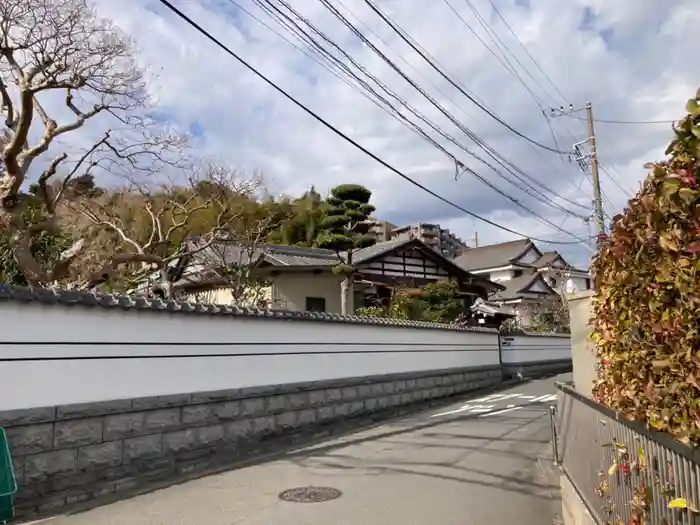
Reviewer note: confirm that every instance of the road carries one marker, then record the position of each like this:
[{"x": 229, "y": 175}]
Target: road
[{"x": 483, "y": 461}]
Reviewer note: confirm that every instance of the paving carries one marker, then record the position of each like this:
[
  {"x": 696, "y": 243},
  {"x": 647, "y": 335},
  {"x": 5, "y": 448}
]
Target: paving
[{"x": 482, "y": 461}]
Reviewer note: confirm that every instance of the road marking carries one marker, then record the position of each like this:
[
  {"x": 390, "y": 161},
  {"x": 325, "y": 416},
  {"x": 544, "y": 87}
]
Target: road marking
[
  {"x": 492, "y": 397},
  {"x": 475, "y": 406},
  {"x": 509, "y": 408}
]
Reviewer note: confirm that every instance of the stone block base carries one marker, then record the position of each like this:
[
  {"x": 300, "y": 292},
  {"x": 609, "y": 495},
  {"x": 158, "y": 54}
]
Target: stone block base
[
  {"x": 70, "y": 454},
  {"x": 536, "y": 369}
]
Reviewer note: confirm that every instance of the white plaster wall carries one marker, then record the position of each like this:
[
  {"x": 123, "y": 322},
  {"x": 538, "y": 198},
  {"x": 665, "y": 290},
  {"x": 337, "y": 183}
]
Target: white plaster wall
[
  {"x": 501, "y": 275},
  {"x": 290, "y": 290},
  {"x": 129, "y": 342},
  {"x": 529, "y": 348},
  {"x": 577, "y": 284}
]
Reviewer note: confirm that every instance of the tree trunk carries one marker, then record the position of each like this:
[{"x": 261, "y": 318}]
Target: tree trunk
[
  {"x": 345, "y": 286},
  {"x": 165, "y": 284}
]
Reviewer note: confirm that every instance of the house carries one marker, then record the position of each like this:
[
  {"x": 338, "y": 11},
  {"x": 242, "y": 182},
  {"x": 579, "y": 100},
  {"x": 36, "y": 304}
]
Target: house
[
  {"x": 300, "y": 278},
  {"x": 561, "y": 276},
  {"x": 529, "y": 275}
]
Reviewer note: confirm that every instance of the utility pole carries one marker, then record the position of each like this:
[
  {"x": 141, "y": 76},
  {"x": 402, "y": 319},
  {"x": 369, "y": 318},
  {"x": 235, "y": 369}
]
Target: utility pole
[
  {"x": 581, "y": 158},
  {"x": 476, "y": 239},
  {"x": 597, "y": 199}
]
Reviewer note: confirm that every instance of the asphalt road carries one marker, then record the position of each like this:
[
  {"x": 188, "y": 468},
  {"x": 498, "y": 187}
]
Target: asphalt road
[{"x": 483, "y": 461}]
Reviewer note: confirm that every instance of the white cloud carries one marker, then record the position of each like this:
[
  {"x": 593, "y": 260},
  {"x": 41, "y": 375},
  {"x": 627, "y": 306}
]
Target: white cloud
[{"x": 631, "y": 59}]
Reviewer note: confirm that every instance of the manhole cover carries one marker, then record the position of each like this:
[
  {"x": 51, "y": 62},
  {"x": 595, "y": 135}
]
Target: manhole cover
[{"x": 310, "y": 494}]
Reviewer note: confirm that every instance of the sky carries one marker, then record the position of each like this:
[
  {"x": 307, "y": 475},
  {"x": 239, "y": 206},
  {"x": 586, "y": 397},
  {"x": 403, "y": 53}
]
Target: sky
[{"x": 630, "y": 58}]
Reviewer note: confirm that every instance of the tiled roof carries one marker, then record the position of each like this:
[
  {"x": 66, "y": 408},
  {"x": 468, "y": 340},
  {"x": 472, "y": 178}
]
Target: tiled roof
[
  {"x": 517, "y": 288},
  {"x": 378, "y": 249},
  {"x": 281, "y": 255},
  {"x": 491, "y": 256},
  {"x": 59, "y": 297},
  {"x": 546, "y": 259}
]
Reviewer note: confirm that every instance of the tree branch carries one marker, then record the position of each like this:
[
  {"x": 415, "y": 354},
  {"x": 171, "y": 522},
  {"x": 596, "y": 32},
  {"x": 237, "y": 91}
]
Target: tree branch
[
  {"x": 109, "y": 267},
  {"x": 44, "y": 192},
  {"x": 8, "y": 105}
]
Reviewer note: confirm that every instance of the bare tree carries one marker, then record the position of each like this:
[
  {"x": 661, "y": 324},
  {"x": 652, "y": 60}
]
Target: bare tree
[
  {"x": 60, "y": 68},
  {"x": 227, "y": 259},
  {"x": 154, "y": 223},
  {"x": 229, "y": 262},
  {"x": 548, "y": 314}
]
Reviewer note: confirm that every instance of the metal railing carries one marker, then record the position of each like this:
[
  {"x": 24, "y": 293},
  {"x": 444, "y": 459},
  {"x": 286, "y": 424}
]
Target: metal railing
[{"x": 623, "y": 472}]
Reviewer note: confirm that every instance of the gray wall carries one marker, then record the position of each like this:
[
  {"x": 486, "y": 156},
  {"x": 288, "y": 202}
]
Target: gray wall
[
  {"x": 582, "y": 347},
  {"x": 68, "y": 454}
]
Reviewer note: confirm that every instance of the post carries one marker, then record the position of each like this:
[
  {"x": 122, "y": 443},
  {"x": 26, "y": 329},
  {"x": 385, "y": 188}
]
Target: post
[
  {"x": 597, "y": 200},
  {"x": 555, "y": 437}
]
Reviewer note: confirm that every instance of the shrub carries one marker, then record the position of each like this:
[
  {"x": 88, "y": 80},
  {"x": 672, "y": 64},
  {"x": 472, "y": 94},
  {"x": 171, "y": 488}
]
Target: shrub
[{"x": 646, "y": 313}]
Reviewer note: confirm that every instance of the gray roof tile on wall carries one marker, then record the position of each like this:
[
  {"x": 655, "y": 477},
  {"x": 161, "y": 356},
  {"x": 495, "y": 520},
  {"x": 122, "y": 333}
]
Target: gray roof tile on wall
[{"x": 61, "y": 297}]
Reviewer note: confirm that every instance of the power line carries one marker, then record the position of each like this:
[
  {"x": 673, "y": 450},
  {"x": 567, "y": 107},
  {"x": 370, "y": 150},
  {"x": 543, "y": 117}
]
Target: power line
[
  {"x": 398, "y": 115},
  {"x": 615, "y": 181},
  {"x": 512, "y": 32},
  {"x": 457, "y": 86},
  {"x": 459, "y": 107},
  {"x": 416, "y": 128},
  {"x": 489, "y": 150},
  {"x": 506, "y": 65},
  {"x": 632, "y": 122},
  {"x": 336, "y": 131}
]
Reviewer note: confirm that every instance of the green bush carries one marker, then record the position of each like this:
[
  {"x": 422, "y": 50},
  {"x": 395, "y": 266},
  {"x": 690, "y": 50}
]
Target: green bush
[{"x": 646, "y": 312}]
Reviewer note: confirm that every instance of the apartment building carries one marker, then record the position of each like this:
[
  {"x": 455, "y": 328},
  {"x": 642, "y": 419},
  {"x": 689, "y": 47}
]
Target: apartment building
[{"x": 439, "y": 239}]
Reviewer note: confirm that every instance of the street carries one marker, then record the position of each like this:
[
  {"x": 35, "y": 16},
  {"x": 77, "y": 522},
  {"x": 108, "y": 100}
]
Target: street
[{"x": 485, "y": 460}]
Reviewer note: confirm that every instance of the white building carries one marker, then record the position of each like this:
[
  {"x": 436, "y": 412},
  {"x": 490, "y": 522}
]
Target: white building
[{"x": 529, "y": 275}]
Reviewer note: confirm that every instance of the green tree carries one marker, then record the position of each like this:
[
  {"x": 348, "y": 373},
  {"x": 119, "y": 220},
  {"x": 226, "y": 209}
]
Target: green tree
[
  {"x": 345, "y": 229},
  {"x": 303, "y": 219},
  {"x": 44, "y": 246},
  {"x": 439, "y": 302},
  {"x": 647, "y": 302}
]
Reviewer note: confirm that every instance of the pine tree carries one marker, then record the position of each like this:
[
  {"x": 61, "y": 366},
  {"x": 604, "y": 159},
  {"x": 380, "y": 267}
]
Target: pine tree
[{"x": 345, "y": 229}]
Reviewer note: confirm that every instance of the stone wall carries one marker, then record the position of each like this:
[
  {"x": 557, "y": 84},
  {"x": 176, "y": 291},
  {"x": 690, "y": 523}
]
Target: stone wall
[
  {"x": 536, "y": 368},
  {"x": 68, "y": 454}
]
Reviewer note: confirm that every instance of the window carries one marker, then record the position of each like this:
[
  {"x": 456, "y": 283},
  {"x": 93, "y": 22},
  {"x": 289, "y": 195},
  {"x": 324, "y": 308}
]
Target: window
[
  {"x": 553, "y": 282},
  {"x": 517, "y": 273},
  {"x": 315, "y": 304}
]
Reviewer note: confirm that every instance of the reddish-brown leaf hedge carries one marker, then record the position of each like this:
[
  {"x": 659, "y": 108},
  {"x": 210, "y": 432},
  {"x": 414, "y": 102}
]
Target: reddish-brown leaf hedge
[{"x": 646, "y": 312}]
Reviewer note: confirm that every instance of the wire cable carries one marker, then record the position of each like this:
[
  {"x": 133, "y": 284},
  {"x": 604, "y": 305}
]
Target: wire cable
[
  {"x": 614, "y": 180},
  {"x": 512, "y": 32},
  {"x": 458, "y": 87},
  {"x": 275, "y": 12},
  {"x": 518, "y": 173},
  {"x": 342, "y": 135},
  {"x": 506, "y": 65},
  {"x": 631, "y": 122}
]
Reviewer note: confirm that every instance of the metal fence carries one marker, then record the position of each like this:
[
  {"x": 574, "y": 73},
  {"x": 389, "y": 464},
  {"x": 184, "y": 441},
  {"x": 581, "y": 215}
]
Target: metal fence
[{"x": 624, "y": 473}]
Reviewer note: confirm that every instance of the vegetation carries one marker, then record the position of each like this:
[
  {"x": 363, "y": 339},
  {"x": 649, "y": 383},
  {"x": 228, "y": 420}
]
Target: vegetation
[
  {"x": 549, "y": 315},
  {"x": 44, "y": 246},
  {"x": 345, "y": 229},
  {"x": 647, "y": 303},
  {"x": 59, "y": 50},
  {"x": 437, "y": 302}
]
